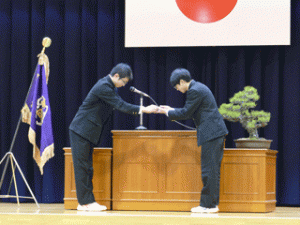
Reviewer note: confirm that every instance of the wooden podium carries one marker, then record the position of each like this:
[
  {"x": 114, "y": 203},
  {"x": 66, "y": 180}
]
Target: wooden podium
[
  {"x": 248, "y": 180},
  {"x": 161, "y": 170},
  {"x": 156, "y": 170}
]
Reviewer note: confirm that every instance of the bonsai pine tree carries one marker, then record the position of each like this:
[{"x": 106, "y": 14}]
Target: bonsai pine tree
[{"x": 240, "y": 110}]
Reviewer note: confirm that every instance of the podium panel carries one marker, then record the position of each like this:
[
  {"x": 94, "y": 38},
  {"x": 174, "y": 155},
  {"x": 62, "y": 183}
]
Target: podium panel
[
  {"x": 156, "y": 170},
  {"x": 101, "y": 180},
  {"x": 248, "y": 180}
]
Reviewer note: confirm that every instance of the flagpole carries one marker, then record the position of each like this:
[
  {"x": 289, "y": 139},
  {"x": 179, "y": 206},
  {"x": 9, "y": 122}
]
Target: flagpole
[{"x": 46, "y": 43}]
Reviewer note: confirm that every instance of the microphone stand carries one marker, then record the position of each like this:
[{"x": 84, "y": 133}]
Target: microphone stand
[{"x": 141, "y": 127}]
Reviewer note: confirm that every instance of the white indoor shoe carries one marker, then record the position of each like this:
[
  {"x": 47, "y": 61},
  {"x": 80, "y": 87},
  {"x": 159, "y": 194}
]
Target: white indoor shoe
[
  {"x": 91, "y": 207},
  {"x": 200, "y": 209}
]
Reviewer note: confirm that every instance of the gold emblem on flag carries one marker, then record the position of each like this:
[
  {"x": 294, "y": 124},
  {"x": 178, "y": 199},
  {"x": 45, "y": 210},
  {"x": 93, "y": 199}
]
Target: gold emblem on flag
[{"x": 41, "y": 110}]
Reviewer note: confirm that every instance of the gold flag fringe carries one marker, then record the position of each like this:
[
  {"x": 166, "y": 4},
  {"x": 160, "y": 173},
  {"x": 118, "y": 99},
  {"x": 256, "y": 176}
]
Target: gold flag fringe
[
  {"x": 47, "y": 154},
  {"x": 26, "y": 114},
  {"x": 44, "y": 60}
]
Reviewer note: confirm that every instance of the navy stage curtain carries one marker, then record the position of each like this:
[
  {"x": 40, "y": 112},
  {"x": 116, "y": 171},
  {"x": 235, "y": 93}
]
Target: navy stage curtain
[{"x": 88, "y": 40}]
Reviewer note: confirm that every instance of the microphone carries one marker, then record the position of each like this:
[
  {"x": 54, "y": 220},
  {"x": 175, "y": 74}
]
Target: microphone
[{"x": 133, "y": 89}]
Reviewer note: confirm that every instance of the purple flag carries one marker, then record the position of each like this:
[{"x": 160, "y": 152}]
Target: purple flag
[{"x": 37, "y": 114}]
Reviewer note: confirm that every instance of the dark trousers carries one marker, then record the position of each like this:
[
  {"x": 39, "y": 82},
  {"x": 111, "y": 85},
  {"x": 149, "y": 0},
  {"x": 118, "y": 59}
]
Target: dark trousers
[
  {"x": 82, "y": 154},
  {"x": 211, "y": 157}
]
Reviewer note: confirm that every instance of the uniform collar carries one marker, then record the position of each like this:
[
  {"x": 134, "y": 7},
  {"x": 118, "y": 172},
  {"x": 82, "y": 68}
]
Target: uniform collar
[
  {"x": 192, "y": 83},
  {"x": 110, "y": 80}
]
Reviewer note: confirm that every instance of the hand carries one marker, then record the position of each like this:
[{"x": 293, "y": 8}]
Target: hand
[
  {"x": 162, "y": 111},
  {"x": 166, "y": 107},
  {"x": 150, "y": 109}
]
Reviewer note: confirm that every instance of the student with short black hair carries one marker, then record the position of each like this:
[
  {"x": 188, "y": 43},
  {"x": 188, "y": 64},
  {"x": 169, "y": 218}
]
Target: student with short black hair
[
  {"x": 87, "y": 126},
  {"x": 201, "y": 106}
]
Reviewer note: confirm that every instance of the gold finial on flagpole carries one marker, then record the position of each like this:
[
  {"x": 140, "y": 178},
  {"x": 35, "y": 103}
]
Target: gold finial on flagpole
[
  {"x": 43, "y": 58},
  {"x": 46, "y": 43}
]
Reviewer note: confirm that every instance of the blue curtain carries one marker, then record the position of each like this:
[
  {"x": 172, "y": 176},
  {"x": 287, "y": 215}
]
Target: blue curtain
[{"x": 88, "y": 40}]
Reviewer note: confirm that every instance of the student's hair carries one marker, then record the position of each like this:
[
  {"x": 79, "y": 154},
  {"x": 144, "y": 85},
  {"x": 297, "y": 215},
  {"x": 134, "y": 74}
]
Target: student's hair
[
  {"x": 123, "y": 69},
  {"x": 179, "y": 74}
]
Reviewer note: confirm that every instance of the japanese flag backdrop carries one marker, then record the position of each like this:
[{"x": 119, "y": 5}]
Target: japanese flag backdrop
[{"x": 158, "y": 23}]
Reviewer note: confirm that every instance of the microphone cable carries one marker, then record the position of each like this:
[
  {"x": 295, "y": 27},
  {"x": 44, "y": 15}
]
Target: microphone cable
[{"x": 186, "y": 126}]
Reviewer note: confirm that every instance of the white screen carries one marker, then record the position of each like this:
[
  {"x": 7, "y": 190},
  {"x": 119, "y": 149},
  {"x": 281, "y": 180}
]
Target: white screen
[{"x": 159, "y": 23}]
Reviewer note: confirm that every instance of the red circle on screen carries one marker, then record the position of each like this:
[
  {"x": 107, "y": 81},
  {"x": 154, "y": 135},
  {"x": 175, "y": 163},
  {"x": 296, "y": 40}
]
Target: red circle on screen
[{"x": 206, "y": 11}]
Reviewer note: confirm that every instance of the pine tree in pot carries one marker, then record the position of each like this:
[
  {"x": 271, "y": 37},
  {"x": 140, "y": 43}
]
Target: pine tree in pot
[{"x": 240, "y": 109}]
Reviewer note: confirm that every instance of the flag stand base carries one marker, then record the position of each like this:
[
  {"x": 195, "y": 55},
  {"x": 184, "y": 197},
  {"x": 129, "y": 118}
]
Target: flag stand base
[{"x": 13, "y": 161}]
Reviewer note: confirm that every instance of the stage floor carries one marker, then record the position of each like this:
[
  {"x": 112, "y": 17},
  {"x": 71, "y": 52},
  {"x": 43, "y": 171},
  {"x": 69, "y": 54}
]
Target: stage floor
[{"x": 29, "y": 213}]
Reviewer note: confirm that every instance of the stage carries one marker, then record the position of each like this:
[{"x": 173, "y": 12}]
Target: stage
[{"x": 29, "y": 213}]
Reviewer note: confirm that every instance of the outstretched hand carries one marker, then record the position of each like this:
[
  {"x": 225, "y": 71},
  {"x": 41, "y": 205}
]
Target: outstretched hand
[
  {"x": 164, "y": 109},
  {"x": 150, "y": 109}
]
